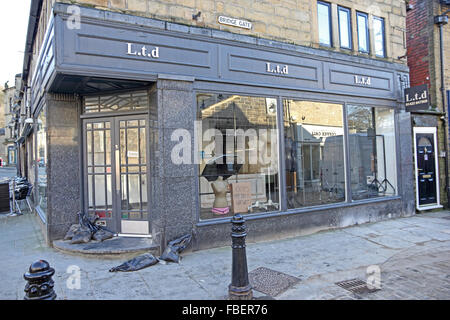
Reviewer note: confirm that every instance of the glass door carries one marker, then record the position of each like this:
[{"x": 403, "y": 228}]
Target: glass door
[
  {"x": 116, "y": 176},
  {"x": 131, "y": 174}
]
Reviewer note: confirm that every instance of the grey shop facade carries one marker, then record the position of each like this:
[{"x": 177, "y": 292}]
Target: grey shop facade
[{"x": 133, "y": 117}]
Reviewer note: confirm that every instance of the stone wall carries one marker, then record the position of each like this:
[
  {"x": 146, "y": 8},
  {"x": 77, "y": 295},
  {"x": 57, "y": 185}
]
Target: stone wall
[
  {"x": 63, "y": 166},
  {"x": 291, "y": 21}
]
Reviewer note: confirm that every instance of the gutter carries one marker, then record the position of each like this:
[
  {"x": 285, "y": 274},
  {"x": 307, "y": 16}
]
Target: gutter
[
  {"x": 33, "y": 23},
  {"x": 442, "y": 20}
]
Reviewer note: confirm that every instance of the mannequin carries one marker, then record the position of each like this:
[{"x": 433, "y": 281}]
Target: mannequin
[{"x": 220, "y": 188}]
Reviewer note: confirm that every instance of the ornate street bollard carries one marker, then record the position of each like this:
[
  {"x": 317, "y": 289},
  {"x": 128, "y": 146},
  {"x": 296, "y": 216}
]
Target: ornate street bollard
[
  {"x": 240, "y": 288},
  {"x": 40, "y": 283}
]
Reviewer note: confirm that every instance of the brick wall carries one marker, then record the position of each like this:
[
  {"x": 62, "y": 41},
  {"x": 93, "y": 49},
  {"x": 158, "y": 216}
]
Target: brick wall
[{"x": 419, "y": 35}]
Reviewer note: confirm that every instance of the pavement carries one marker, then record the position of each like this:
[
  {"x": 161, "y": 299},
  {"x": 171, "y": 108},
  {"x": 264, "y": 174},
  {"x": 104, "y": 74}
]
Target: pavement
[{"x": 405, "y": 258}]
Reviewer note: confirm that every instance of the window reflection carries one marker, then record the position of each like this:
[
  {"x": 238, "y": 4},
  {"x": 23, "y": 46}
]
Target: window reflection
[
  {"x": 378, "y": 29},
  {"x": 372, "y": 152},
  {"x": 314, "y": 152},
  {"x": 363, "y": 32},
  {"x": 41, "y": 159},
  {"x": 344, "y": 28},
  {"x": 238, "y": 142},
  {"x": 324, "y": 20}
]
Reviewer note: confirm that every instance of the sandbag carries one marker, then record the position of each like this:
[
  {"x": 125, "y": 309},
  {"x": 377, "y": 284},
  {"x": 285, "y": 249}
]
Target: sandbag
[
  {"x": 102, "y": 234},
  {"x": 140, "y": 262},
  {"x": 174, "y": 248},
  {"x": 83, "y": 235},
  {"x": 72, "y": 230}
]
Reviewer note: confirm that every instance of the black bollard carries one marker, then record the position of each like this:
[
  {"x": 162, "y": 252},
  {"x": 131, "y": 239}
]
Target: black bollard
[
  {"x": 40, "y": 283},
  {"x": 240, "y": 288}
]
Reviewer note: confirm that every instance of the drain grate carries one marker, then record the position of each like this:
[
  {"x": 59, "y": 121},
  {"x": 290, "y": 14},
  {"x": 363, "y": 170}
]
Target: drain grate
[
  {"x": 271, "y": 282},
  {"x": 356, "y": 286}
]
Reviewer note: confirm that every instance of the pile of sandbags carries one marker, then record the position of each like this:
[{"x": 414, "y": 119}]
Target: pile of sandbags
[{"x": 86, "y": 230}]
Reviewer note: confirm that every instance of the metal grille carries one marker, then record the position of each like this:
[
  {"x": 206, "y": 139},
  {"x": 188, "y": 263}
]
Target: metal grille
[
  {"x": 356, "y": 286},
  {"x": 271, "y": 282},
  {"x": 137, "y": 100}
]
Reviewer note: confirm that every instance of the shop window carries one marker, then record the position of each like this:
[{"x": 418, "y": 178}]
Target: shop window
[
  {"x": 133, "y": 101},
  {"x": 362, "y": 20},
  {"x": 324, "y": 21},
  {"x": 371, "y": 135},
  {"x": 41, "y": 162},
  {"x": 379, "y": 39},
  {"x": 345, "y": 29},
  {"x": 314, "y": 153},
  {"x": 237, "y": 142},
  {"x": 11, "y": 155}
]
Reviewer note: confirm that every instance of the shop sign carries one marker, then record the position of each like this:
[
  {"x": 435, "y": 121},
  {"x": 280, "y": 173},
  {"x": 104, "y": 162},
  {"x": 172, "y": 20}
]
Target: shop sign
[
  {"x": 132, "y": 154},
  {"x": 235, "y": 22},
  {"x": 276, "y": 68},
  {"x": 323, "y": 131},
  {"x": 365, "y": 81},
  {"x": 142, "y": 51},
  {"x": 416, "y": 98},
  {"x": 241, "y": 196}
]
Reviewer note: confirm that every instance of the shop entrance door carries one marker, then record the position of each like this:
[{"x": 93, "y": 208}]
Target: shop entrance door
[
  {"x": 426, "y": 168},
  {"x": 116, "y": 175}
]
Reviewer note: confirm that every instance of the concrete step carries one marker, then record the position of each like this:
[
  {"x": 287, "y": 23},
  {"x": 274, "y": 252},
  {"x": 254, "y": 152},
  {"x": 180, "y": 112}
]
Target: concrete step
[{"x": 114, "y": 246}]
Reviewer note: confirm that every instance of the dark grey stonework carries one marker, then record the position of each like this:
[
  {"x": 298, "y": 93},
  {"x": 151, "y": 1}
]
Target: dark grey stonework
[
  {"x": 289, "y": 225},
  {"x": 63, "y": 180},
  {"x": 174, "y": 186},
  {"x": 425, "y": 120}
]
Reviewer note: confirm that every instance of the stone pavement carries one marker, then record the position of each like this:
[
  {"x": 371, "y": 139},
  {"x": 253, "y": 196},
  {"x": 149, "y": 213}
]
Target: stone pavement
[{"x": 412, "y": 255}]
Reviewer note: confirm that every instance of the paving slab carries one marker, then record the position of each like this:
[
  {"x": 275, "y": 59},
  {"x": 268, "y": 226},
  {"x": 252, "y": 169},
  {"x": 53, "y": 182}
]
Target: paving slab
[{"x": 412, "y": 254}]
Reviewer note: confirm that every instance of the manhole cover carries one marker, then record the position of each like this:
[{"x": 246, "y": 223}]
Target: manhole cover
[
  {"x": 271, "y": 282},
  {"x": 356, "y": 286}
]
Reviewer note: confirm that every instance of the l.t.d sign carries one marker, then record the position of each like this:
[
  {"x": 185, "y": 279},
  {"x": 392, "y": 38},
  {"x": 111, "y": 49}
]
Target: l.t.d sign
[{"x": 416, "y": 98}]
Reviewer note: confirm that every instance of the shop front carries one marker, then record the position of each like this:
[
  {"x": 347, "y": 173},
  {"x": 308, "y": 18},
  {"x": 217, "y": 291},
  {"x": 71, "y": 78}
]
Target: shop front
[{"x": 149, "y": 123}]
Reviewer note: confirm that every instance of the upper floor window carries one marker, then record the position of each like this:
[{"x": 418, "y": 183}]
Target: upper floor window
[
  {"x": 345, "y": 33},
  {"x": 363, "y": 32},
  {"x": 378, "y": 30},
  {"x": 324, "y": 20}
]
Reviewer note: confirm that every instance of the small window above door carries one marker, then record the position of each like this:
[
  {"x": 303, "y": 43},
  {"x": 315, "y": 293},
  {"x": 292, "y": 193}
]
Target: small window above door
[{"x": 131, "y": 101}]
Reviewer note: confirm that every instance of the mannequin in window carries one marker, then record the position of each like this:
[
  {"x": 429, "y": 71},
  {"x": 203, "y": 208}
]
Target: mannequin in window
[{"x": 220, "y": 188}]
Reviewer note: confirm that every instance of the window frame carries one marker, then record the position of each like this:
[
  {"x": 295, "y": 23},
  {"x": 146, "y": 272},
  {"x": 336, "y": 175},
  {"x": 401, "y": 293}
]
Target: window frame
[
  {"x": 366, "y": 17},
  {"x": 330, "y": 23},
  {"x": 383, "y": 33},
  {"x": 349, "y": 25},
  {"x": 43, "y": 214},
  {"x": 265, "y": 214}
]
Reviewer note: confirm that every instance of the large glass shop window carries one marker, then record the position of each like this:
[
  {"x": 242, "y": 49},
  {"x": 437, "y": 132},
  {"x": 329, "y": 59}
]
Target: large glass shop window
[
  {"x": 372, "y": 152},
  {"x": 314, "y": 153},
  {"x": 41, "y": 162},
  {"x": 237, "y": 142}
]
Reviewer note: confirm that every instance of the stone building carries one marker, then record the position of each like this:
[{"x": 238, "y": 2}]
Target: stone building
[
  {"x": 9, "y": 102},
  {"x": 424, "y": 20},
  {"x": 142, "y": 109}
]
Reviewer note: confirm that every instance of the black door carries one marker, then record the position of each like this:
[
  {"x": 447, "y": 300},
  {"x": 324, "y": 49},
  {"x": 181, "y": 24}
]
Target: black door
[{"x": 426, "y": 168}]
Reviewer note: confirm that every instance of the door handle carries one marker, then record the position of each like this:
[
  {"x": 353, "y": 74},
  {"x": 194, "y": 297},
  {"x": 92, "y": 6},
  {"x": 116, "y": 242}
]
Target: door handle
[{"x": 117, "y": 156}]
